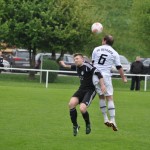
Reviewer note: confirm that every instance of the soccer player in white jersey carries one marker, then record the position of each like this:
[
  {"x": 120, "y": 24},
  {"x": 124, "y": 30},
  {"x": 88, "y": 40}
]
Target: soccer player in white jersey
[{"x": 103, "y": 57}]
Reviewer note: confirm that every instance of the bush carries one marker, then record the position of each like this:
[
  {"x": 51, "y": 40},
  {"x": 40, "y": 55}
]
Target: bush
[{"x": 50, "y": 65}]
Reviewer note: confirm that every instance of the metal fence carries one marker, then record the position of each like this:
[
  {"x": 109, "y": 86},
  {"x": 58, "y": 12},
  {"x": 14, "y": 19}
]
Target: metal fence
[{"x": 60, "y": 71}]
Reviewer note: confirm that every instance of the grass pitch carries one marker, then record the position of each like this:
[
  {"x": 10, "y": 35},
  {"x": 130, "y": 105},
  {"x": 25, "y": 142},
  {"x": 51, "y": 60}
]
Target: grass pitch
[{"x": 35, "y": 118}]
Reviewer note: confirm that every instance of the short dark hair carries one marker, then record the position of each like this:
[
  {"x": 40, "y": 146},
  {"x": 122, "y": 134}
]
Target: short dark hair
[
  {"x": 77, "y": 54},
  {"x": 109, "y": 40}
]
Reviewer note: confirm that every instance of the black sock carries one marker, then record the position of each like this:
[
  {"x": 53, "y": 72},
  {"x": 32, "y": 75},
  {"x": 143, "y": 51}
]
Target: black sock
[
  {"x": 73, "y": 116},
  {"x": 86, "y": 117}
]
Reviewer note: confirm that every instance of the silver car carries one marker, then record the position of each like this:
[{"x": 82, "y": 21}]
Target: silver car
[
  {"x": 67, "y": 58},
  {"x": 125, "y": 65},
  {"x": 6, "y": 65},
  {"x": 19, "y": 58}
]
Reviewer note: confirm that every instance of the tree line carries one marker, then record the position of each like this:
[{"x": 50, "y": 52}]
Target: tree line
[{"x": 65, "y": 25}]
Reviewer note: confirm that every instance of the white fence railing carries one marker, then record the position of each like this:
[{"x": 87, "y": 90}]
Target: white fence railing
[
  {"x": 38, "y": 70},
  {"x": 61, "y": 71},
  {"x": 141, "y": 75}
]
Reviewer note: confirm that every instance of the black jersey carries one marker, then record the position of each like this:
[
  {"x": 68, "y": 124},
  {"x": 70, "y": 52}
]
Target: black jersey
[
  {"x": 85, "y": 73},
  {"x": 1, "y": 60}
]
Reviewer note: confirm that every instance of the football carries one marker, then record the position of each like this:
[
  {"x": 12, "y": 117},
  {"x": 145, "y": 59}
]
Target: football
[{"x": 97, "y": 28}]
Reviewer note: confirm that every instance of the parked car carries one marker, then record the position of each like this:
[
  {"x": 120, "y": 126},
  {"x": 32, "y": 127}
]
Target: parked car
[
  {"x": 18, "y": 58},
  {"x": 125, "y": 65},
  {"x": 67, "y": 58},
  {"x": 146, "y": 63},
  {"x": 6, "y": 65}
]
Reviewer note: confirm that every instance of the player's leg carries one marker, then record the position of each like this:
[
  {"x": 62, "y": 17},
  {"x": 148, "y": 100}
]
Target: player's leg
[
  {"x": 102, "y": 101},
  {"x": 137, "y": 83},
  {"x": 88, "y": 97},
  {"x": 132, "y": 83},
  {"x": 73, "y": 114},
  {"x": 110, "y": 105},
  {"x": 103, "y": 107},
  {"x": 86, "y": 117},
  {"x": 111, "y": 111}
]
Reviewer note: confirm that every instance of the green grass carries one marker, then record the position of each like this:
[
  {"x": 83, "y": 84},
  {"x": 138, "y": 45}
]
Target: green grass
[{"x": 35, "y": 118}]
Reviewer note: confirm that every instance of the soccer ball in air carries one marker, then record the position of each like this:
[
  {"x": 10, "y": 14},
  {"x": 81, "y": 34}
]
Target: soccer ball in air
[{"x": 97, "y": 28}]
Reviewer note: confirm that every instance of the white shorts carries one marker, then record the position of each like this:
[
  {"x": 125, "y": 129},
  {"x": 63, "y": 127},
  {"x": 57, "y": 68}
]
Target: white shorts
[{"x": 107, "y": 82}]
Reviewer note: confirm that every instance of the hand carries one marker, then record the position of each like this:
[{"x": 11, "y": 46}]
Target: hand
[
  {"x": 103, "y": 88},
  {"x": 125, "y": 80}
]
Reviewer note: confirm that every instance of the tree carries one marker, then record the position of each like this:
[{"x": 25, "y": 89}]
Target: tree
[{"x": 51, "y": 25}]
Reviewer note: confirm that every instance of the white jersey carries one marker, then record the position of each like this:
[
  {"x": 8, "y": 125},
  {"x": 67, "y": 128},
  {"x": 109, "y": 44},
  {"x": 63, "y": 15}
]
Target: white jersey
[{"x": 104, "y": 57}]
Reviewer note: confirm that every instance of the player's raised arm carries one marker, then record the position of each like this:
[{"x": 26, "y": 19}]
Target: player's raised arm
[{"x": 64, "y": 65}]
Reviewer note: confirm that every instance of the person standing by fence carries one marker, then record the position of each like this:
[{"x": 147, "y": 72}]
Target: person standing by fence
[
  {"x": 1, "y": 61},
  {"x": 136, "y": 68}
]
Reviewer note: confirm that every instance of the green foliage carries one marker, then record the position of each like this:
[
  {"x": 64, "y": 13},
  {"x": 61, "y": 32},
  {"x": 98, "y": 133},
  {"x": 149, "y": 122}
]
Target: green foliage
[
  {"x": 140, "y": 25},
  {"x": 49, "y": 65},
  {"x": 128, "y": 21},
  {"x": 64, "y": 26},
  {"x": 49, "y": 25}
]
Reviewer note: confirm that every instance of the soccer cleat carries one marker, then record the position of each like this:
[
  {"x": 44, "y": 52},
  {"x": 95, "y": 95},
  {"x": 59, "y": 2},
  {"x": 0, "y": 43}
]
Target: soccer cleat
[
  {"x": 107, "y": 123},
  {"x": 114, "y": 126},
  {"x": 75, "y": 130},
  {"x": 88, "y": 128}
]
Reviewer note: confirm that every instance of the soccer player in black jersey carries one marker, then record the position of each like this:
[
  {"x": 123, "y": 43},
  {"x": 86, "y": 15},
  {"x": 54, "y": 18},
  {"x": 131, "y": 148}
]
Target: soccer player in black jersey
[{"x": 86, "y": 92}]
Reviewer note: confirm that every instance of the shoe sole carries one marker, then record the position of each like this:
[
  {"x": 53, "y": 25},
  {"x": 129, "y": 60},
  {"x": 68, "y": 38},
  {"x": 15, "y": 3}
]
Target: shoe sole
[{"x": 114, "y": 127}]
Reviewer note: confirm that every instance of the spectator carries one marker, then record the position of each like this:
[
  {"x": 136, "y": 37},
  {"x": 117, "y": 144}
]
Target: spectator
[
  {"x": 136, "y": 68},
  {"x": 1, "y": 61}
]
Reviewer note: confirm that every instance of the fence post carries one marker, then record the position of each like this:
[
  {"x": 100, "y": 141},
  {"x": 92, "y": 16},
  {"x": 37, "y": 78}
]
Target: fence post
[
  {"x": 47, "y": 79},
  {"x": 145, "y": 84},
  {"x": 41, "y": 68}
]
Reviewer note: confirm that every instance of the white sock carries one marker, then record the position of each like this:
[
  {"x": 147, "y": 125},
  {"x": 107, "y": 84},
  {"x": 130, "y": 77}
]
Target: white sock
[
  {"x": 111, "y": 110},
  {"x": 103, "y": 108}
]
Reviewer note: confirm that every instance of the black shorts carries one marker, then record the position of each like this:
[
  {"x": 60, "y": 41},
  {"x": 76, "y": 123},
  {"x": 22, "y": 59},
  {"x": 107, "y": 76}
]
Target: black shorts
[{"x": 85, "y": 96}]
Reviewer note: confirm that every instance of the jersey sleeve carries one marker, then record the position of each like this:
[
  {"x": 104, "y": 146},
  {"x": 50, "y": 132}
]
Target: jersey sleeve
[
  {"x": 99, "y": 75},
  {"x": 117, "y": 60},
  {"x": 88, "y": 67}
]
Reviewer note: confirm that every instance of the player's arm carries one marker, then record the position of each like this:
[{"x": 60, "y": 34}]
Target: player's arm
[
  {"x": 119, "y": 68},
  {"x": 64, "y": 65},
  {"x": 121, "y": 72},
  {"x": 101, "y": 81}
]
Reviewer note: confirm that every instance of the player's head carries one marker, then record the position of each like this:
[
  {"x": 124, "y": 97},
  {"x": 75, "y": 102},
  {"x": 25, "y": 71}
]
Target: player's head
[
  {"x": 108, "y": 39},
  {"x": 78, "y": 59}
]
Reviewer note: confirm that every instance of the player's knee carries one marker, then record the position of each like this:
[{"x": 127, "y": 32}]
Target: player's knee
[
  {"x": 73, "y": 103},
  {"x": 83, "y": 108}
]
